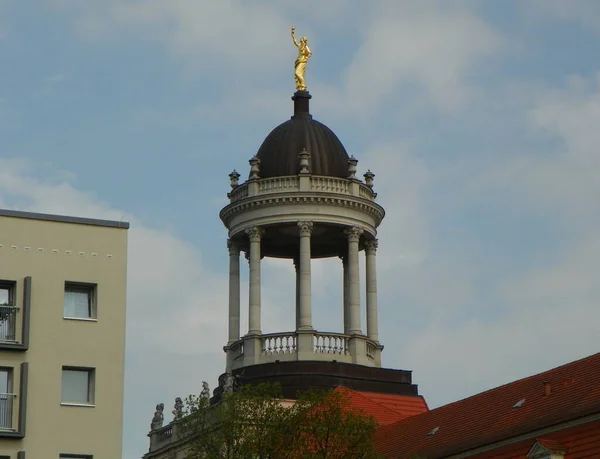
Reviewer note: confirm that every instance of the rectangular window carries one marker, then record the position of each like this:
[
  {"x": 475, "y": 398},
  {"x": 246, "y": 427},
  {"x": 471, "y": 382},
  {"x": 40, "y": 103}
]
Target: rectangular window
[
  {"x": 6, "y": 399},
  {"x": 79, "y": 301},
  {"x": 75, "y": 456},
  {"x": 7, "y": 293},
  {"x": 8, "y": 311},
  {"x": 78, "y": 385}
]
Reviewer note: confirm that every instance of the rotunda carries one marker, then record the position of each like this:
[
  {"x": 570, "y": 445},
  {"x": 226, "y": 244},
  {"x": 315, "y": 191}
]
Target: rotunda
[{"x": 303, "y": 200}]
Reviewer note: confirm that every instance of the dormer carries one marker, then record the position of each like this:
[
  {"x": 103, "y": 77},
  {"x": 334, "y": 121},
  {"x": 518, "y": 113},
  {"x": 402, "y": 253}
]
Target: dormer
[{"x": 547, "y": 449}]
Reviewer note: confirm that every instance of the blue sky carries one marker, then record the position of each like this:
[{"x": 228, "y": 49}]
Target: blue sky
[{"x": 479, "y": 119}]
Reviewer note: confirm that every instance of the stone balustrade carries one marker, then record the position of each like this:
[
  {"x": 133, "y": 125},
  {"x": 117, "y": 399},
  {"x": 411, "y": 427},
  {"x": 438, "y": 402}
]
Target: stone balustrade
[
  {"x": 308, "y": 183},
  {"x": 278, "y": 344},
  {"x": 283, "y": 347},
  {"x": 331, "y": 343}
]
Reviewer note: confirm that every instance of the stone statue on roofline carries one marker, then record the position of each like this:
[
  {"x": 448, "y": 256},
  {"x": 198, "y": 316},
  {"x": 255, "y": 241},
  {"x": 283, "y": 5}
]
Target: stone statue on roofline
[
  {"x": 228, "y": 384},
  {"x": 157, "y": 420},
  {"x": 178, "y": 409},
  {"x": 205, "y": 391}
]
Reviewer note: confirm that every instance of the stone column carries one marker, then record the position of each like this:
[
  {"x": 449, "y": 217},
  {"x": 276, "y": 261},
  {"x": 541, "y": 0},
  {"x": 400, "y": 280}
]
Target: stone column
[
  {"x": 234, "y": 291},
  {"x": 346, "y": 294},
  {"x": 371, "y": 274},
  {"x": 304, "y": 295},
  {"x": 353, "y": 234},
  {"x": 254, "y": 235},
  {"x": 297, "y": 303}
]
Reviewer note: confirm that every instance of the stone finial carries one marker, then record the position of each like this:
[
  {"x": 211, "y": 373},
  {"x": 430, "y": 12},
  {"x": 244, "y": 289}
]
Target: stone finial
[
  {"x": 205, "y": 391},
  {"x": 369, "y": 176},
  {"x": 304, "y": 161},
  {"x": 157, "y": 420},
  {"x": 234, "y": 179},
  {"x": 178, "y": 409},
  {"x": 352, "y": 163},
  {"x": 254, "y": 168}
]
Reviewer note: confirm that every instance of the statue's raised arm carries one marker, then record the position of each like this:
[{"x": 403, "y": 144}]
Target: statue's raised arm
[{"x": 294, "y": 37}]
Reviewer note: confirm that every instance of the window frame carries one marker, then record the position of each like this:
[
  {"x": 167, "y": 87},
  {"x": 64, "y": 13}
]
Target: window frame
[
  {"x": 91, "y": 390},
  {"x": 10, "y": 379},
  {"x": 92, "y": 290},
  {"x": 11, "y": 286}
]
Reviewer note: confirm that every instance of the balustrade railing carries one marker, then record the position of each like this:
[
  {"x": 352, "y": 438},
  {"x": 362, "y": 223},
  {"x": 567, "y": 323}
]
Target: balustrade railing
[
  {"x": 365, "y": 192},
  {"x": 6, "y": 411},
  {"x": 8, "y": 323},
  {"x": 237, "y": 349},
  {"x": 331, "y": 343},
  {"x": 292, "y": 183},
  {"x": 279, "y": 343},
  {"x": 330, "y": 185},
  {"x": 165, "y": 432},
  {"x": 370, "y": 351},
  {"x": 278, "y": 185},
  {"x": 240, "y": 192}
]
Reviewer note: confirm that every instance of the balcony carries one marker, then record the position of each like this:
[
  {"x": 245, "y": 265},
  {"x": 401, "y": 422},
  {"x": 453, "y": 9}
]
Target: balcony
[
  {"x": 315, "y": 184},
  {"x": 7, "y": 408},
  {"x": 8, "y": 324},
  {"x": 322, "y": 346}
]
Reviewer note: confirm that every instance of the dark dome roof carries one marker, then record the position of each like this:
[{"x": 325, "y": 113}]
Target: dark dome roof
[{"x": 278, "y": 153}]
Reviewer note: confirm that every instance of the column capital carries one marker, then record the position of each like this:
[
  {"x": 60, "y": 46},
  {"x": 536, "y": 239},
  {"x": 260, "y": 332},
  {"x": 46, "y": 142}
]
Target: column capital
[
  {"x": 255, "y": 233},
  {"x": 305, "y": 228},
  {"x": 371, "y": 246},
  {"x": 353, "y": 233},
  {"x": 233, "y": 247}
]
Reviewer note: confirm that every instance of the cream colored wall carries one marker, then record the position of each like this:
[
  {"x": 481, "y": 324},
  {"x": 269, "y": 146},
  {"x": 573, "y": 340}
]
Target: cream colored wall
[{"x": 98, "y": 255}]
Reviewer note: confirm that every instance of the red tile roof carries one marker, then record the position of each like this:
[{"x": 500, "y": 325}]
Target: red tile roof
[
  {"x": 386, "y": 409},
  {"x": 489, "y": 416},
  {"x": 578, "y": 442}
]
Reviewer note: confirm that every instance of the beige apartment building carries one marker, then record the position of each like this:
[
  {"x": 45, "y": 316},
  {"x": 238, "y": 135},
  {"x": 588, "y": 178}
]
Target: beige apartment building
[{"x": 62, "y": 336}]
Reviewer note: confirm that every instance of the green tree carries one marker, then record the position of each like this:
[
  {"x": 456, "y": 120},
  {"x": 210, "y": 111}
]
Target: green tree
[{"x": 257, "y": 423}]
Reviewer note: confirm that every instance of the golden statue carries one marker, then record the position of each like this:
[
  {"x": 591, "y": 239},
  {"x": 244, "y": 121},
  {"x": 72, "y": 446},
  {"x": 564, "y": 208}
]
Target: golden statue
[{"x": 304, "y": 54}]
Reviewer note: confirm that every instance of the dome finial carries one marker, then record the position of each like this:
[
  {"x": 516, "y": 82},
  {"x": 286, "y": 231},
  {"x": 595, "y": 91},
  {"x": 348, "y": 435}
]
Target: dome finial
[
  {"x": 304, "y": 161},
  {"x": 352, "y": 163},
  {"x": 254, "y": 168}
]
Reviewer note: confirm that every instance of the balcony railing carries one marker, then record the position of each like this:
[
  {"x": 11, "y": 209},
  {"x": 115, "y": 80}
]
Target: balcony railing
[
  {"x": 316, "y": 184},
  {"x": 284, "y": 347},
  {"x": 8, "y": 323},
  {"x": 6, "y": 411}
]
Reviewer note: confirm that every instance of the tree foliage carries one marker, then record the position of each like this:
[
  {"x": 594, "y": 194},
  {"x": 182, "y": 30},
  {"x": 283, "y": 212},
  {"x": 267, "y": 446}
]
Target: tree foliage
[{"x": 257, "y": 423}]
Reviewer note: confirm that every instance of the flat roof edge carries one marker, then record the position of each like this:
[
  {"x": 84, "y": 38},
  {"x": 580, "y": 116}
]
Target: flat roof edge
[{"x": 63, "y": 219}]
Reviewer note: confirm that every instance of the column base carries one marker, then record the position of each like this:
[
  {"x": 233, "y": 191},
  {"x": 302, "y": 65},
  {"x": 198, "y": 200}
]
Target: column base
[
  {"x": 358, "y": 350},
  {"x": 252, "y": 349},
  {"x": 305, "y": 343}
]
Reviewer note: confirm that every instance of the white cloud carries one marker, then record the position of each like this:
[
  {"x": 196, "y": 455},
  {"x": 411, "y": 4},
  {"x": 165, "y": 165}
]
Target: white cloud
[{"x": 424, "y": 44}]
